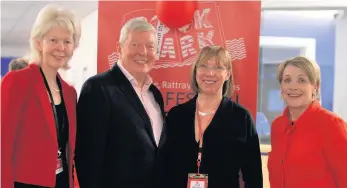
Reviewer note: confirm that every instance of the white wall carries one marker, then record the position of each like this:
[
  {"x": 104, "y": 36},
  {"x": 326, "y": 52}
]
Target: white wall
[
  {"x": 303, "y": 4},
  {"x": 14, "y": 51},
  {"x": 84, "y": 61},
  {"x": 340, "y": 83}
]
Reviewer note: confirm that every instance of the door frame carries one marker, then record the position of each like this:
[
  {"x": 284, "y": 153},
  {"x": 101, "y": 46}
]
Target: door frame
[{"x": 307, "y": 46}]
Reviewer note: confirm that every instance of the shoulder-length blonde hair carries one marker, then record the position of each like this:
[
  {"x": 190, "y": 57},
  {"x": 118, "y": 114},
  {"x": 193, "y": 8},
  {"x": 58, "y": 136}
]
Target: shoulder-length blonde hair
[
  {"x": 222, "y": 58},
  {"x": 49, "y": 17}
]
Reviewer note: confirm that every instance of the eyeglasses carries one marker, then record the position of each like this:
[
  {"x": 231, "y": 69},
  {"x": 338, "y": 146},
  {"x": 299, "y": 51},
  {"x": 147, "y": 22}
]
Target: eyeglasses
[{"x": 206, "y": 68}]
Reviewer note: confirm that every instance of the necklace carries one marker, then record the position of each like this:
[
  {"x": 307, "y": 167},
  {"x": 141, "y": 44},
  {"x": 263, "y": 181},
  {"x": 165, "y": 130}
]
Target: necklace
[
  {"x": 205, "y": 113},
  {"x": 56, "y": 90}
]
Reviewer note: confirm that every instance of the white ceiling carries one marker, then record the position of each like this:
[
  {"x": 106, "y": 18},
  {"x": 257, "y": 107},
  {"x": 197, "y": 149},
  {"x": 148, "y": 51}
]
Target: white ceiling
[{"x": 17, "y": 18}]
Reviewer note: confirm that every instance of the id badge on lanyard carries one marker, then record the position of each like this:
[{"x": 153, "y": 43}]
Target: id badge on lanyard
[
  {"x": 59, "y": 167},
  {"x": 198, "y": 180}
]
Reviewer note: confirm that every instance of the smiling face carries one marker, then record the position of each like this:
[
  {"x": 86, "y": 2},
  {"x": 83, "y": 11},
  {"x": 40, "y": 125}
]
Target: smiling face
[
  {"x": 210, "y": 76},
  {"x": 138, "y": 53},
  {"x": 56, "y": 47},
  {"x": 297, "y": 89}
]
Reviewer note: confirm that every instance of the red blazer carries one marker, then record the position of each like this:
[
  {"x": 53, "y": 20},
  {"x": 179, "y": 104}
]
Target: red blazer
[
  {"x": 311, "y": 153},
  {"x": 28, "y": 132}
]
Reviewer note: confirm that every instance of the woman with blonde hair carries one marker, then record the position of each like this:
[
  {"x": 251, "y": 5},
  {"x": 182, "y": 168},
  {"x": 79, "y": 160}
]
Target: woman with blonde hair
[
  {"x": 309, "y": 143},
  {"x": 38, "y": 108},
  {"x": 211, "y": 138}
]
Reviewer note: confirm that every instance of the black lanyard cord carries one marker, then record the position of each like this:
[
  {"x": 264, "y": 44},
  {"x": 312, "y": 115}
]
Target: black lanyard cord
[{"x": 57, "y": 125}]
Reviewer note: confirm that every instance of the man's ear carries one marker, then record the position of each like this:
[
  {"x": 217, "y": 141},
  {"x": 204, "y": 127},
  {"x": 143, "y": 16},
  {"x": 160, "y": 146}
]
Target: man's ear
[{"x": 119, "y": 48}]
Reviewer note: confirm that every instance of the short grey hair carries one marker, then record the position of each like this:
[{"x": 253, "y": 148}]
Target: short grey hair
[
  {"x": 49, "y": 17},
  {"x": 135, "y": 24},
  {"x": 18, "y": 64}
]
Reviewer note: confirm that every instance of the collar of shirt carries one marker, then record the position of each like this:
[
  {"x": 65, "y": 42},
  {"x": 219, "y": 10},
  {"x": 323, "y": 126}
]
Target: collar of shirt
[
  {"x": 304, "y": 117},
  {"x": 133, "y": 81}
]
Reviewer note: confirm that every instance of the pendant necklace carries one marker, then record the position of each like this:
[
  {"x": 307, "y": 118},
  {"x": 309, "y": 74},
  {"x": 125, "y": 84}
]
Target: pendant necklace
[{"x": 205, "y": 113}]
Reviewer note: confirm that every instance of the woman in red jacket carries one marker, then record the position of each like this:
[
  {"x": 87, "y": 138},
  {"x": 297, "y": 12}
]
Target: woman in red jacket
[
  {"x": 309, "y": 143},
  {"x": 38, "y": 109}
]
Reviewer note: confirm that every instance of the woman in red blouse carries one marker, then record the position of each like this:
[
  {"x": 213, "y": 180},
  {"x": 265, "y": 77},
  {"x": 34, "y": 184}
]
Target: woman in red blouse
[{"x": 309, "y": 143}]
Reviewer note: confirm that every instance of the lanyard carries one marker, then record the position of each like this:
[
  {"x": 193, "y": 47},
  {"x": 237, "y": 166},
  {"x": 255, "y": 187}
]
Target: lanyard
[
  {"x": 53, "y": 105},
  {"x": 201, "y": 135}
]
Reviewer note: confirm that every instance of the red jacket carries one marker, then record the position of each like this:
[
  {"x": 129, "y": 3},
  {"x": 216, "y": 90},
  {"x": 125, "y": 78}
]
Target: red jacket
[
  {"x": 28, "y": 132},
  {"x": 312, "y": 153}
]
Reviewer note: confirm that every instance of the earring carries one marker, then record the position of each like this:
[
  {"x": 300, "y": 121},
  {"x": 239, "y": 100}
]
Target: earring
[
  {"x": 281, "y": 97},
  {"x": 314, "y": 95}
]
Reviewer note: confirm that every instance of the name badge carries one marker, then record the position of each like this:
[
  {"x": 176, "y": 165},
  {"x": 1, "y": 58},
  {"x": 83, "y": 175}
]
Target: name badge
[
  {"x": 59, "y": 168},
  {"x": 197, "y": 180}
]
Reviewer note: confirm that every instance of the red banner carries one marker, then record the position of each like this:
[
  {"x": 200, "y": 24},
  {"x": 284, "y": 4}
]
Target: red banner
[{"x": 234, "y": 25}]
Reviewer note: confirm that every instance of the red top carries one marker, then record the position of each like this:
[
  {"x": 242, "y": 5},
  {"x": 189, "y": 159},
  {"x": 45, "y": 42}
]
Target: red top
[
  {"x": 28, "y": 134},
  {"x": 311, "y": 153}
]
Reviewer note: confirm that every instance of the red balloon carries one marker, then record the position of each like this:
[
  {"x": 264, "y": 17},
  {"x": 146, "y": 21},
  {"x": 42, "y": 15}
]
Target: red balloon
[{"x": 175, "y": 14}]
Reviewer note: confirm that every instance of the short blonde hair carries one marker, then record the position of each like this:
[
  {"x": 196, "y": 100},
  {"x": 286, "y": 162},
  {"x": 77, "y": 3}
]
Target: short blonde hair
[
  {"x": 222, "y": 58},
  {"x": 311, "y": 68},
  {"x": 49, "y": 17},
  {"x": 134, "y": 24}
]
